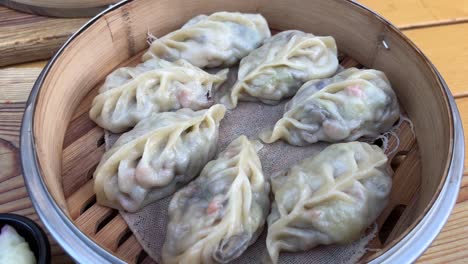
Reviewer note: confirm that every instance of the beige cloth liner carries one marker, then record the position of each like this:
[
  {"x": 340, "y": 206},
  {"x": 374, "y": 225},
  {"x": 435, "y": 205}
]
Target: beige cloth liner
[{"x": 249, "y": 118}]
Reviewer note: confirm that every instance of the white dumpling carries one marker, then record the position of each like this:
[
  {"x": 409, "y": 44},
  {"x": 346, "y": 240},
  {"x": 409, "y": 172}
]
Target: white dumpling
[
  {"x": 162, "y": 153},
  {"x": 217, "y": 216},
  {"x": 353, "y": 104},
  {"x": 132, "y": 94},
  {"x": 329, "y": 198},
  {"x": 123, "y": 75},
  {"x": 277, "y": 69},
  {"x": 220, "y": 39}
]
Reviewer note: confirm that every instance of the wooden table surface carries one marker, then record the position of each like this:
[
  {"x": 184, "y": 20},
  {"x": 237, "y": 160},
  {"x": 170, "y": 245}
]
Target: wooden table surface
[{"x": 439, "y": 28}]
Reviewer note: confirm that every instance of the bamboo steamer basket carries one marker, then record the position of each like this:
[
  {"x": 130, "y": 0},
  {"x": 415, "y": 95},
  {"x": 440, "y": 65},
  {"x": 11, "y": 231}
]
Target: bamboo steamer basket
[
  {"x": 60, "y": 146},
  {"x": 58, "y": 8}
]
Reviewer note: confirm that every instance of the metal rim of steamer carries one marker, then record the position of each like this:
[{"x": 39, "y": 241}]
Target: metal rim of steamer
[
  {"x": 84, "y": 250},
  {"x": 53, "y": 11}
]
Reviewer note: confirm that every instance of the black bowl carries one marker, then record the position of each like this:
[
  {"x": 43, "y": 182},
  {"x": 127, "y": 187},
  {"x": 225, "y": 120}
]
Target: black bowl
[{"x": 32, "y": 233}]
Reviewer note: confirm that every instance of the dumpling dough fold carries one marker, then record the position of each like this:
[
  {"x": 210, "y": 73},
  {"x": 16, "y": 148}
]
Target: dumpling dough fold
[
  {"x": 131, "y": 94},
  {"x": 220, "y": 39},
  {"x": 162, "y": 153},
  {"x": 277, "y": 69},
  {"x": 217, "y": 216},
  {"x": 354, "y": 103},
  {"x": 329, "y": 198}
]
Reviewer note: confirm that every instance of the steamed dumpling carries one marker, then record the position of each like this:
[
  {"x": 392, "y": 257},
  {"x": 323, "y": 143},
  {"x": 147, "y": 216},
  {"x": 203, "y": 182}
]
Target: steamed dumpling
[
  {"x": 162, "y": 153},
  {"x": 353, "y": 104},
  {"x": 133, "y": 93},
  {"x": 220, "y": 39},
  {"x": 216, "y": 217},
  {"x": 123, "y": 75},
  {"x": 277, "y": 69},
  {"x": 330, "y": 198}
]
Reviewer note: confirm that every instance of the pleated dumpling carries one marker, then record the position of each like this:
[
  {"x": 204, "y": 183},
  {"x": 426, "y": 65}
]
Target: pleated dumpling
[
  {"x": 162, "y": 153},
  {"x": 217, "y": 216},
  {"x": 123, "y": 75},
  {"x": 220, "y": 39},
  {"x": 353, "y": 104},
  {"x": 277, "y": 69},
  {"x": 132, "y": 94},
  {"x": 329, "y": 198}
]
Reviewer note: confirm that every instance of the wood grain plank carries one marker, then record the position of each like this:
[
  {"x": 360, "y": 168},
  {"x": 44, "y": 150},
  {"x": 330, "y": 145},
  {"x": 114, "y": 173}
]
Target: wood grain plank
[
  {"x": 25, "y": 37},
  {"x": 129, "y": 250},
  {"x": 14, "y": 194},
  {"x": 79, "y": 127},
  {"x": 12, "y": 183},
  {"x": 410, "y": 13},
  {"x": 462, "y": 104},
  {"x": 80, "y": 159},
  {"x": 62, "y": 258},
  {"x": 15, "y": 204},
  {"x": 463, "y": 194},
  {"x": 9, "y": 161},
  {"x": 15, "y": 85},
  {"x": 450, "y": 245},
  {"x": 85, "y": 105},
  {"x": 88, "y": 222},
  {"x": 78, "y": 199},
  {"x": 447, "y": 48},
  {"x": 110, "y": 234},
  {"x": 34, "y": 64}
]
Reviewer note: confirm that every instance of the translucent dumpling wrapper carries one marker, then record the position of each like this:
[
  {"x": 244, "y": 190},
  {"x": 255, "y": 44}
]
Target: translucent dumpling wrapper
[
  {"x": 329, "y": 198},
  {"x": 353, "y": 104},
  {"x": 220, "y": 39},
  {"x": 123, "y": 75},
  {"x": 13, "y": 248},
  {"x": 277, "y": 69},
  {"x": 162, "y": 153},
  {"x": 131, "y": 94},
  {"x": 217, "y": 216}
]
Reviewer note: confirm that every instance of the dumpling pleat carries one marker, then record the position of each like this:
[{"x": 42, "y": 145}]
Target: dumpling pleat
[
  {"x": 216, "y": 217},
  {"x": 160, "y": 153},
  {"x": 322, "y": 200},
  {"x": 277, "y": 69},
  {"x": 168, "y": 86},
  {"x": 221, "y": 39},
  {"x": 353, "y": 104}
]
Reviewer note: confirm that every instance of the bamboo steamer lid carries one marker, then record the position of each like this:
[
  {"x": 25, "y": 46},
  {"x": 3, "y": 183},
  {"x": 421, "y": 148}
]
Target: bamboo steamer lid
[{"x": 57, "y": 8}]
